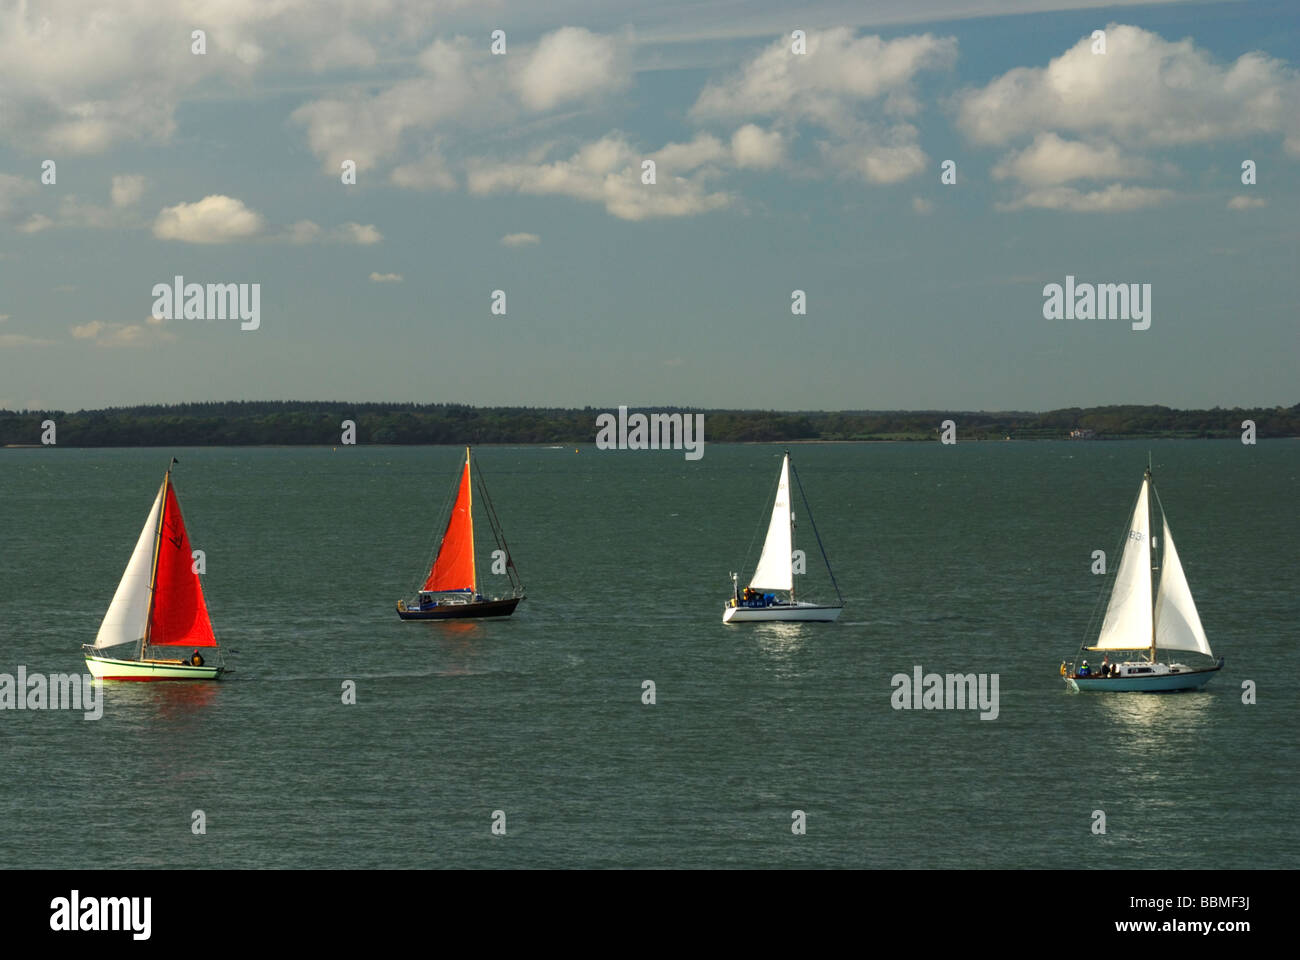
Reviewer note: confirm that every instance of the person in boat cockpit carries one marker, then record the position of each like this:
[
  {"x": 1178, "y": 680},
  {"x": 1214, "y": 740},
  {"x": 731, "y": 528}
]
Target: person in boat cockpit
[{"x": 1084, "y": 670}]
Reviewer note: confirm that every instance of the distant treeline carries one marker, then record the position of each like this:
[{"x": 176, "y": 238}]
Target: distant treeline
[{"x": 296, "y": 422}]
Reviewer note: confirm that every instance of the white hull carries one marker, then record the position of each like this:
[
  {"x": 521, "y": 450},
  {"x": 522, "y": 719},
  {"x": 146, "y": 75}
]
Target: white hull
[
  {"x": 105, "y": 668},
  {"x": 781, "y": 611}
]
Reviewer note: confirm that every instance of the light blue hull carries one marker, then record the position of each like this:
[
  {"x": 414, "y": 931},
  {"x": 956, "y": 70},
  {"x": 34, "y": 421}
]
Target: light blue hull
[{"x": 1165, "y": 683}]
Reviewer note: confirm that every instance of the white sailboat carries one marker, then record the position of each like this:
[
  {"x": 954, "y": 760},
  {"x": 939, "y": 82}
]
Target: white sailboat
[
  {"x": 1150, "y": 606},
  {"x": 775, "y": 571},
  {"x": 158, "y": 604}
]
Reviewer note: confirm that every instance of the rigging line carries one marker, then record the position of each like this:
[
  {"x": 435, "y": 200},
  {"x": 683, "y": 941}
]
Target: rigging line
[
  {"x": 825, "y": 559},
  {"x": 497, "y": 532},
  {"x": 1108, "y": 581}
]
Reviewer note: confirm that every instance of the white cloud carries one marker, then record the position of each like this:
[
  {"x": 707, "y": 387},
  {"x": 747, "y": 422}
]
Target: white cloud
[
  {"x": 13, "y": 191},
  {"x": 1112, "y": 199},
  {"x": 23, "y": 340},
  {"x": 460, "y": 87},
  {"x": 430, "y": 172},
  {"x": 520, "y": 240},
  {"x": 73, "y": 213},
  {"x": 571, "y": 64},
  {"x": 385, "y": 278},
  {"x": 677, "y": 158},
  {"x": 1144, "y": 91},
  {"x": 127, "y": 189},
  {"x": 308, "y": 231},
  {"x": 922, "y": 206},
  {"x": 18, "y": 195},
  {"x": 856, "y": 90},
  {"x": 880, "y": 163},
  {"x": 1050, "y": 160},
  {"x": 364, "y": 234},
  {"x": 824, "y": 84},
  {"x": 606, "y": 171},
  {"x": 122, "y": 334},
  {"x": 453, "y": 85},
  {"x": 35, "y": 223},
  {"x": 304, "y": 231},
  {"x": 752, "y": 146},
  {"x": 4, "y": 317},
  {"x": 214, "y": 219},
  {"x": 1243, "y": 202},
  {"x": 343, "y": 50},
  {"x": 78, "y": 77}
]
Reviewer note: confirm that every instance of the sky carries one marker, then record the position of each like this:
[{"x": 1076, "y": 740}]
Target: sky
[{"x": 811, "y": 161}]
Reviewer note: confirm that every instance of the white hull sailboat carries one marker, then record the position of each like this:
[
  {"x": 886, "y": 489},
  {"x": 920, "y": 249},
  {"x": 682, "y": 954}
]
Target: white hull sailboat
[
  {"x": 799, "y": 610},
  {"x": 775, "y": 571},
  {"x": 1150, "y": 607},
  {"x": 158, "y": 608}
]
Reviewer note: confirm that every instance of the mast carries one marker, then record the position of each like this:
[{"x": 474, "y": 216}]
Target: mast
[
  {"x": 153, "y": 573},
  {"x": 789, "y": 497},
  {"x": 1155, "y": 583},
  {"x": 469, "y": 514}
]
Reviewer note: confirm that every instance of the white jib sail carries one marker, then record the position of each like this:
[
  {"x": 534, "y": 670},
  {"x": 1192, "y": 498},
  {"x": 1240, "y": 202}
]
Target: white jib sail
[
  {"x": 1178, "y": 626},
  {"x": 775, "y": 568},
  {"x": 1128, "y": 616},
  {"x": 125, "y": 620}
]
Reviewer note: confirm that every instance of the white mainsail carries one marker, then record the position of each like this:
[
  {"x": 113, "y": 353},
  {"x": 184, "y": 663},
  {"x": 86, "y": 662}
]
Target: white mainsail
[
  {"x": 1178, "y": 626},
  {"x": 775, "y": 567},
  {"x": 1128, "y": 616},
  {"x": 125, "y": 620}
]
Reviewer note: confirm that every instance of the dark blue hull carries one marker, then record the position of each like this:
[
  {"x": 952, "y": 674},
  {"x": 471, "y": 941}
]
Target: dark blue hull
[{"x": 461, "y": 611}]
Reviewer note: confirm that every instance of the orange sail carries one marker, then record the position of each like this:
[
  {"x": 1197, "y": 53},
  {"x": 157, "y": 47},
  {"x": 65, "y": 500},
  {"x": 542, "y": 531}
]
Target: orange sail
[
  {"x": 453, "y": 569},
  {"x": 179, "y": 617}
]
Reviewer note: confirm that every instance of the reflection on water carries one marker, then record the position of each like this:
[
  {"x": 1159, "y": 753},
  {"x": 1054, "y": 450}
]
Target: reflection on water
[
  {"x": 168, "y": 724},
  {"x": 1146, "y": 712},
  {"x": 1150, "y": 725},
  {"x": 458, "y": 641},
  {"x": 782, "y": 644},
  {"x": 177, "y": 704}
]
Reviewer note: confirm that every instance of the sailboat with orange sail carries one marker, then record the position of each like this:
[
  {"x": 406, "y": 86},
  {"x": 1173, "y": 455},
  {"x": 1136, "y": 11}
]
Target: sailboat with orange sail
[
  {"x": 158, "y": 607},
  {"x": 451, "y": 588}
]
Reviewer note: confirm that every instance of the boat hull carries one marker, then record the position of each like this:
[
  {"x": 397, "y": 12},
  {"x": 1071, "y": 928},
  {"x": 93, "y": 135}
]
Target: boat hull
[
  {"x": 107, "y": 668},
  {"x": 781, "y": 612},
  {"x": 461, "y": 611},
  {"x": 1163, "y": 683}
]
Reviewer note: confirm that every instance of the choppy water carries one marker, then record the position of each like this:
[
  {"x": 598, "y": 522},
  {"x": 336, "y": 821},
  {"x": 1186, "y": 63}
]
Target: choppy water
[{"x": 972, "y": 558}]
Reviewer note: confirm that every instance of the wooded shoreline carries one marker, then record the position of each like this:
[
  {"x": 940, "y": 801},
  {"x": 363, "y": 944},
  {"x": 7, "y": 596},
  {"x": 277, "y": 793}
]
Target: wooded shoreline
[{"x": 294, "y": 423}]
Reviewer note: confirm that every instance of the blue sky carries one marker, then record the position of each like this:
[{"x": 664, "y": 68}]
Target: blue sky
[{"x": 775, "y": 171}]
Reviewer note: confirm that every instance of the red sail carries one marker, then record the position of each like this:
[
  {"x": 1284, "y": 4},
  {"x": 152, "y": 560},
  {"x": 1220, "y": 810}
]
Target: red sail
[
  {"x": 180, "y": 617},
  {"x": 454, "y": 567}
]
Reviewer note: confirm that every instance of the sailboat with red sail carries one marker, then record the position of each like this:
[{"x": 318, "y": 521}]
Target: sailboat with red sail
[
  {"x": 451, "y": 588},
  {"x": 158, "y": 608}
]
